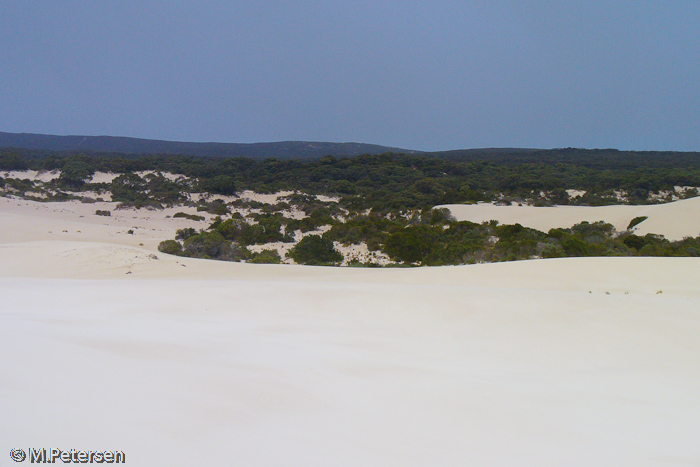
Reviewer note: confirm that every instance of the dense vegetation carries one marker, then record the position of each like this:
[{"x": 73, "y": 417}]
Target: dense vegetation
[
  {"x": 393, "y": 182},
  {"x": 433, "y": 238},
  {"x": 381, "y": 201}
]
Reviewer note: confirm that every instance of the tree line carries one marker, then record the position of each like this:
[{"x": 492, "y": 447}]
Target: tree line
[{"x": 391, "y": 182}]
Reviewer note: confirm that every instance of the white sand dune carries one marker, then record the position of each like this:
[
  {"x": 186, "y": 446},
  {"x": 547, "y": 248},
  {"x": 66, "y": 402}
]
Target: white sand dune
[
  {"x": 178, "y": 361},
  {"x": 24, "y": 220},
  {"x": 674, "y": 220}
]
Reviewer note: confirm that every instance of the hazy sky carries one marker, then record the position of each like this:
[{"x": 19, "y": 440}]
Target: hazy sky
[{"x": 430, "y": 75}]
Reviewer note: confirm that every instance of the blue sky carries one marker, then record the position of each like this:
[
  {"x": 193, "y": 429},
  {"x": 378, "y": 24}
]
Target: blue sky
[{"x": 429, "y": 75}]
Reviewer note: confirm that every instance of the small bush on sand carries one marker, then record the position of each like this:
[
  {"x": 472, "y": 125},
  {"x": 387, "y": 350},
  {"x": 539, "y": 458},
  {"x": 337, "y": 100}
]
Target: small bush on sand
[
  {"x": 170, "y": 247},
  {"x": 636, "y": 221},
  {"x": 192, "y": 217}
]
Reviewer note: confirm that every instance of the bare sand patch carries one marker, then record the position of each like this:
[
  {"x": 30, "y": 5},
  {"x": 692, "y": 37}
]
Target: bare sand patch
[
  {"x": 499, "y": 364},
  {"x": 34, "y": 175},
  {"x": 25, "y": 220}
]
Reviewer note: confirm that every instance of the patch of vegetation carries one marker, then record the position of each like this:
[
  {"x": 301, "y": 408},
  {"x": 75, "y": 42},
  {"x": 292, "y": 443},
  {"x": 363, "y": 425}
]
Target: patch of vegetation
[
  {"x": 207, "y": 245},
  {"x": 153, "y": 190},
  {"x": 219, "y": 184},
  {"x": 388, "y": 182},
  {"x": 383, "y": 201},
  {"x": 171, "y": 247},
  {"x": 75, "y": 173},
  {"x": 216, "y": 206},
  {"x": 268, "y": 229},
  {"x": 372, "y": 230},
  {"x": 636, "y": 221},
  {"x": 192, "y": 217},
  {"x": 184, "y": 234},
  {"x": 315, "y": 250},
  {"x": 433, "y": 238},
  {"x": 266, "y": 257},
  {"x": 18, "y": 186}
]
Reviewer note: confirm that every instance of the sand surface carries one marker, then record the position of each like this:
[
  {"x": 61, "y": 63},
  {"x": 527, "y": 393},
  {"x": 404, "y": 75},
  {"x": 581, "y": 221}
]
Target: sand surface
[
  {"x": 178, "y": 361},
  {"x": 25, "y": 220},
  {"x": 674, "y": 220}
]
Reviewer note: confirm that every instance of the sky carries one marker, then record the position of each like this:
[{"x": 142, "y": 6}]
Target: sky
[{"x": 414, "y": 74}]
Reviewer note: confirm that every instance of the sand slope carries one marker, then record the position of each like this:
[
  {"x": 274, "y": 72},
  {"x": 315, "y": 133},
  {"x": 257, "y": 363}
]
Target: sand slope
[
  {"x": 674, "y": 220},
  {"x": 178, "y": 361},
  {"x": 503, "y": 364},
  {"x": 24, "y": 220}
]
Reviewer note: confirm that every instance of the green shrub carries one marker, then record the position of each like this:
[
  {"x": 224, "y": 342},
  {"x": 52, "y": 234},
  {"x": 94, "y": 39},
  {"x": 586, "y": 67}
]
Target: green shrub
[
  {"x": 267, "y": 230},
  {"x": 75, "y": 173},
  {"x": 636, "y": 221},
  {"x": 265, "y": 257},
  {"x": 217, "y": 207},
  {"x": 574, "y": 246},
  {"x": 129, "y": 188},
  {"x": 170, "y": 247},
  {"x": 212, "y": 245},
  {"x": 315, "y": 250},
  {"x": 410, "y": 245},
  {"x": 553, "y": 251},
  {"x": 634, "y": 241},
  {"x": 184, "y": 234},
  {"x": 220, "y": 184},
  {"x": 192, "y": 217}
]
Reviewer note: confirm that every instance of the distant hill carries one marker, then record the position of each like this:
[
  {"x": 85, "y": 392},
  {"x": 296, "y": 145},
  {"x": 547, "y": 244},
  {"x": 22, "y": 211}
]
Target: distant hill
[
  {"x": 38, "y": 145},
  {"x": 117, "y": 144}
]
